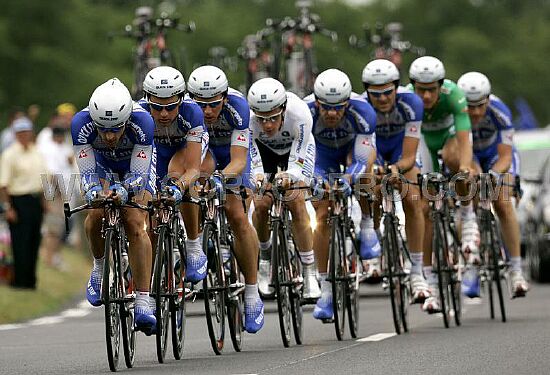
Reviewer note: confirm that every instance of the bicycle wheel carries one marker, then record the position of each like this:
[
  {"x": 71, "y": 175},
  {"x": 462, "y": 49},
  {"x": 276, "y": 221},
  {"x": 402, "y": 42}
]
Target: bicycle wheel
[
  {"x": 111, "y": 288},
  {"x": 455, "y": 280},
  {"x": 496, "y": 258},
  {"x": 177, "y": 300},
  {"x": 214, "y": 289},
  {"x": 127, "y": 313},
  {"x": 160, "y": 288},
  {"x": 235, "y": 304},
  {"x": 352, "y": 292},
  {"x": 295, "y": 288},
  {"x": 442, "y": 269},
  {"x": 338, "y": 277},
  {"x": 280, "y": 264},
  {"x": 390, "y": 249}
]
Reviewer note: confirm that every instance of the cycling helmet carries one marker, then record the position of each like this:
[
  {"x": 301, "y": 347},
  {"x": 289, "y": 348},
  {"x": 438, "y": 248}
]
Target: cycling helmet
[
  {"x": 207, "y": 82},
  {"x": 110, "y": 104},
  {"x": 426, "y": 69},
  {"x": 380, "y": 72},
  {"x": 332, "y": 86},
  {"x": 164, "y": 82},
  {"x": 476, "y": 86},
  {"x": 266, "y": 94}
]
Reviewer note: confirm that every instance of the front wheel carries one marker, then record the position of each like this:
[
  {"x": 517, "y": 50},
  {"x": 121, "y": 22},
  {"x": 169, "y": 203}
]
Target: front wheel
[
  {"x": 338, "y": 277},
  {"x": 111, "y": 285},
  {"x": 281, "y": 273},
  {"x": 177, "y": 308}
]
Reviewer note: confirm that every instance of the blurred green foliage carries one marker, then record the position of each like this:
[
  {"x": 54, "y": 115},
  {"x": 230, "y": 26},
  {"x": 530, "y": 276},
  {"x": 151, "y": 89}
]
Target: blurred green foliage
[{"x": 58, "y": 51}]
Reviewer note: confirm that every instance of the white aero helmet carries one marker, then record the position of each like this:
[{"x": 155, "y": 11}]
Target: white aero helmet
[
  {"x": 111, "y": 104},
  {"x": 476, "y": 86},
  {"x": 380, "y": 72},
  {"x": 266, "y": 94},
  {"x": 332, "y": 86},
  {"x": 207, "y": 82},
  {"x": 164, "y": 82},
  {"x": 426, "y": 69}
]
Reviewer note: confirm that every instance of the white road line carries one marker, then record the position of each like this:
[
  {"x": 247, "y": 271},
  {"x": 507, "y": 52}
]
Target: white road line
[
  {"x": 75, "y": 313},
  {"x": 45, "y": 320},
  {"x": 377, "y": 337},
  {"x": 83, "y": 308},
  {"x": 5, "y": 327}
]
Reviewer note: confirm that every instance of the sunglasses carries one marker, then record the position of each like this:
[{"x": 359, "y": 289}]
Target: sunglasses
[
  {"x": 479, "y": 103},
  {"x": 332, "y": 107},
  {"x": 212, "y": 104},
  {"x": 114, "y": 129},
  {"x": 378, "y": 93},
  {"x": 272, "y": 118},
  {"x": 169, "y": 107}
]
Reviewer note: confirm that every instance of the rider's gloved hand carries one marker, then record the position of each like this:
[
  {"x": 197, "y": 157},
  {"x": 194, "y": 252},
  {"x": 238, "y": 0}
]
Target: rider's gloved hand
[
  {"x": 344, "y": 186},
  {"x": 317, "y": 186},
  {"x": 121, "y": 192},
  {"x": 92, "y": 194},
  {"x": 217, "y": 178},
  {"x": 174, "y": 191}
]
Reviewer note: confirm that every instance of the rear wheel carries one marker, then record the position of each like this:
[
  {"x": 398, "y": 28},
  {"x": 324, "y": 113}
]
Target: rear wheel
[
  {"x": 498, "y": 262},
  {"x": 455, "y": 281},
  {"x": 338, "y": 277},
  {"x": 127, "y": 314},
  {"x": 235, "y": 306},
  {"x": 177, "y": 306},
  {"x": 390, "y": 247},
  {"x": 281, "y": 272},
  {"x": 214, "y": 289},
  {"x": 111, "y": 288},
  {"x": 296, "y": 296}
]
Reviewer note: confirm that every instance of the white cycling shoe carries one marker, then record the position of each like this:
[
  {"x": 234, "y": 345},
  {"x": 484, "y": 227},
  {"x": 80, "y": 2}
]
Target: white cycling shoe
[
  {"x": 420, "y": 290},
  {"x": 264, "y": 278}
]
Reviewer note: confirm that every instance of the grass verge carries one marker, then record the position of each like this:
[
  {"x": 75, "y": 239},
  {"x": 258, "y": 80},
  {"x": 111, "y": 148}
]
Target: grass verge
[{"x": 54, "y": 291}]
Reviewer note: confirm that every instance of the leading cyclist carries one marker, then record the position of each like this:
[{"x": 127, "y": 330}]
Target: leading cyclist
[{"x": 113, "y": 145}]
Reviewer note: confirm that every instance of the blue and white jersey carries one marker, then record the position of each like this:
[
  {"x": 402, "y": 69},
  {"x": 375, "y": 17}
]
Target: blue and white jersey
[
  {"x": 187, "y": 127},
  {"x": 496, "y": 127},
  {"x": 404, "y": 120},
  {"x": 355, "y": 134},
  {"x": 134, "y": 156}
]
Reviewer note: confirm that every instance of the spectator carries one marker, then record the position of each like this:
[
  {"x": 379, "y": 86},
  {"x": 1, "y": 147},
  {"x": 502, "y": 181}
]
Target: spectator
[
  {"x": 62, "y": 118},
  {"x": 21, "y": 167},
  {"x": 59, "y": 159},
  {"x": 33, "y": 112},
  {"x": 7, "y": 137}
]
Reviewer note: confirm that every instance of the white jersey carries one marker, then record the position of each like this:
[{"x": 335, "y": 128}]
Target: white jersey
[{"x": 294, "y": 138}]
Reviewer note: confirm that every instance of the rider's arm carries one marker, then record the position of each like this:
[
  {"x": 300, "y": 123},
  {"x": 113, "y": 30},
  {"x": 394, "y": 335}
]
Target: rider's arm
[
  {"x": 364, "y": 147},
  {"x": 143, "y": 159},
  {"x": 463, "y": 127},
  {"x": 412, "y": 132},
  {"x": 302, "y": 152},
  {"x": 83, "y": 133},
  {"x": 503, "y": 119},
  {"x": 239, "y": 113},
  {"x": 256, "y": 165}
]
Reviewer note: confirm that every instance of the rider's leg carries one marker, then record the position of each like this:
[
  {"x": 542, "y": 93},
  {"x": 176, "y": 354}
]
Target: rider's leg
[
  {"x": 301, "y": 230},
  {"x": 323, "y": 309},
  {"x": 92, "y": 225},
  {"x": 260, "y": 218}
]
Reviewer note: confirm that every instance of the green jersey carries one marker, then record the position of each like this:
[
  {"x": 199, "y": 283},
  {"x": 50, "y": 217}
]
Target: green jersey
[{"x": 449, "y": 115}]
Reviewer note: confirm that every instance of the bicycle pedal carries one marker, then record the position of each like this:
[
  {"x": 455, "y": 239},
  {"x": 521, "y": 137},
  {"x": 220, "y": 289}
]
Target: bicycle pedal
[
  {"x": 308, "y": 301},
  {"x": 327, "y": 321}
]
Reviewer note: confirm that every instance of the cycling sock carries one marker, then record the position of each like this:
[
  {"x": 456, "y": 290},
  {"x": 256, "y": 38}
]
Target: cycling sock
[
  {"x": 142, "y": 300},
  {"x": 326, "y": 286},
  {"x": 467, "y": 211},
  {"x": 416, "y": 260},
  {"x": 516, "y": 264},
  {"x": 265, "y": 250},
  {"x": 251, "y": 293},
  {"x": 98, "y": 265},
  {"x": 194, "y": 247},
  {"x": 307, "y": 257}
]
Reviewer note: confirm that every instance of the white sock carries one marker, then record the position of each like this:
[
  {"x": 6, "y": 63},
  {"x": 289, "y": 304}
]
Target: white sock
[
  {"x": 516, "y": 264},
  {"x": 367, "y": 222},
  {"x": 142, "y": 299},
  {"x": 416, "y": 260},
  {"x": 265, "y": 250},
  {"x": 98, "y": 265},
  {"x": 251, "y": 292},
  {"x": 307, "y": 257},
  {"x": 467, "y": 211},
  {"x": 194, "y": 246}
]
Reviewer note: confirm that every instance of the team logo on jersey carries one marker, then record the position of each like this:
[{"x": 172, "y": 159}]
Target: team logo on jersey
[
  {"x": 82, "y": 154},
  {"x": 413, "y": 129},
  {"x": 241, "y": 137},
  {"x": 142, "y": 155},
  {"x": 332, "y": 90},
  {"x": 365, "y": 142},
  {"x": 163, "y": 81},
  {"x": 108, "y": 113},
  {"x": 300, "y": 162},
  {"x": 263, "y": 97},
  {"x": 206, "y": 84}
]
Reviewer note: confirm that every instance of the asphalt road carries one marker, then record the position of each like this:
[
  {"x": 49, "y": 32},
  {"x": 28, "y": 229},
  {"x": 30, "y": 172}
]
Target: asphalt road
[{"x": 73, "y": 343}]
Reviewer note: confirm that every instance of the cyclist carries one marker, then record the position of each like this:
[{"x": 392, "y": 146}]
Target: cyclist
[
  {"x": 343, "y": 128},
  {"x": 114, "y": 150},
  {"x": 494, "y": 153},
  {"x": 445, "y": 127},
  {"x": 398, "y": 122},
  {"x": 181, "y": 141},
  {"x": 226, "y": 114},
  {"x": 281, "y": 137}
]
